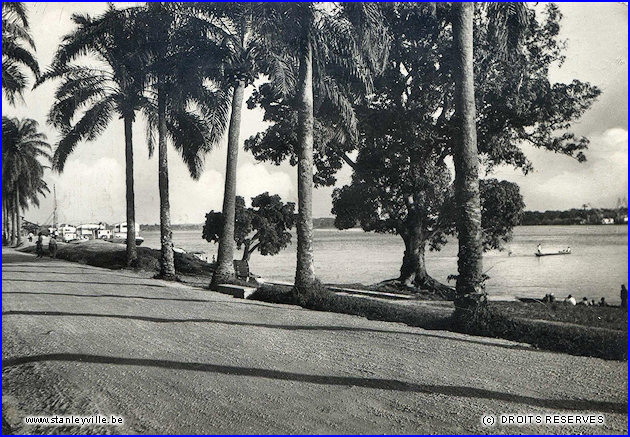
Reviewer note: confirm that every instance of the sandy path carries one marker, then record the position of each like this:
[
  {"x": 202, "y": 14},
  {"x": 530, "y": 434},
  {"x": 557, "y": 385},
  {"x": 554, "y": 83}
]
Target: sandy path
[{"x": 174, "y": 359}]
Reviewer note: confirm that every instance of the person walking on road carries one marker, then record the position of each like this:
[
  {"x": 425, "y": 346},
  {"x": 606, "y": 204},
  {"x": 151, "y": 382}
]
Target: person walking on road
[{"x": 52, "y": 246}]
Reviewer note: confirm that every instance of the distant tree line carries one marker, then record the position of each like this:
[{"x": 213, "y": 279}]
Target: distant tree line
[{"x": 575, "y": 216}]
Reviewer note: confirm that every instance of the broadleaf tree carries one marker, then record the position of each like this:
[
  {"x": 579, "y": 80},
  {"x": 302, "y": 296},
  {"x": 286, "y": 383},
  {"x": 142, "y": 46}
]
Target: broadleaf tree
[{"x": 263, "y": 227}]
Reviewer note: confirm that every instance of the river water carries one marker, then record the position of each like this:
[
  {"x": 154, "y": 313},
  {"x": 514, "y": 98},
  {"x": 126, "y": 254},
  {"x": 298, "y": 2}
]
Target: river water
[{"x": 597, "y": 266}]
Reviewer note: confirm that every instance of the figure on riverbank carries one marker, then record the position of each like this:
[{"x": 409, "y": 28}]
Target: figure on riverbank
[
  {"x": 602, "y": 302},
  {"x": 539, "y": 248},
  {"x": 52, "y": 246},
  {"x": 549, "y": 298},
  {"x": 39, "y": 246},
  {"x": 570, "y": 300},
  {"x": 624, "y": 296}
]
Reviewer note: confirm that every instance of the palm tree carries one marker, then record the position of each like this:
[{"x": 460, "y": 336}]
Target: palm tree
[
  {"x": 508, "y": 22},
  {"x": 22, "y": 171},
  {"x": 348, "y": 42},
  {"x": 180, "y": 60},
  {"x": 465, "y": 156},
  {"x": 234, "y": 26},
  {"x": 95, "y": 95},
  {"x": 16, "y": 50}
]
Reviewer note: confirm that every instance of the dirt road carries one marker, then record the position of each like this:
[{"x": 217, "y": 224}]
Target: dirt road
[{"x": 174, "y": 359}]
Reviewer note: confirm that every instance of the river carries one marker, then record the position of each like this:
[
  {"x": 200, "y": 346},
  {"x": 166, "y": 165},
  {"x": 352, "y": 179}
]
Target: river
[{"x": 597, "y": 266}]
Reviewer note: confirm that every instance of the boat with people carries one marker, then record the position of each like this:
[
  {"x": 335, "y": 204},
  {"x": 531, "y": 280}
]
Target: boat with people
[{"x": 539, "y": 252}]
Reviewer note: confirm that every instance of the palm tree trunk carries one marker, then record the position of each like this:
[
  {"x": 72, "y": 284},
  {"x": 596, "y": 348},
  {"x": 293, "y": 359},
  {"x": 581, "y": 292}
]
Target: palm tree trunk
[
  {"x": 225, "y": 258},
  {"x": 469, "y": 284},
  {"x": 167, "y": 261},
  {"x": 18, "y": 218},
  {"x": 5, "y": 222},
  {"x": 13, "y": 221},
  {"x": 132, "y": 251},
  {"x": 305, "y": 271}
]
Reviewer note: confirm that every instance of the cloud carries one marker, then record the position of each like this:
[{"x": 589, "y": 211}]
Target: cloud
[
  {"x": 559, "y": 182},
  {"x": 90, "y": 191},
  {"x": 254, "y": 179},
  {"x": 191, "y": 200}
]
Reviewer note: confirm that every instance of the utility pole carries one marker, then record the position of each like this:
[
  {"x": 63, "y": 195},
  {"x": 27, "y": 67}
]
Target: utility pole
[{"x": 55, "y": 207}]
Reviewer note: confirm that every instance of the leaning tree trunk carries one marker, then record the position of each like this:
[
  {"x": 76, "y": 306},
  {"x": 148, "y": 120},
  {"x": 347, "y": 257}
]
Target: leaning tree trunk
[
  {"x": 305, "y": 271},
  {"x": 225, "y": 257},
  {"x": 167, "y": 261},
  {"x": 132, "y": 251},
  {"x": 465, "y": 156},
  {"x": 18, "y": 218},
  {"x": 246, "y": 250}
]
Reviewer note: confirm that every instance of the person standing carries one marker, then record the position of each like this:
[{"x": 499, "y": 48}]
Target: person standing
[
  {"x": 39, "y": 246},
  {"x": 52, "y": 246},
  {"x": 624, "y": 296}
]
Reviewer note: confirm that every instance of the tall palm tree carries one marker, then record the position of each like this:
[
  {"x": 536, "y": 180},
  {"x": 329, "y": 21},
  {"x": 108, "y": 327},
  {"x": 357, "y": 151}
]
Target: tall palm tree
[
  {"x": 194, "y": 116},
  {"x": 507, "y": 23},
  {"x": 23, "y": 147},
  {"x": 234, "y": 26},
  {"x": 94, "y": 95},
  {"x": 465, "y": 155},
  {"x": 349, "y": 39},
  {"x": 17, "y": 50}
]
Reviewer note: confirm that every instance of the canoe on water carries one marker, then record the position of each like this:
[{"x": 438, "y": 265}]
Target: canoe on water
[{"x": 560, "y": 252}]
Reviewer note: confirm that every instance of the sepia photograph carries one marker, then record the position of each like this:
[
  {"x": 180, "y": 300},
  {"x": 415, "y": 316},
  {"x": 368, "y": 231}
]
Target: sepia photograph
[{"x": 268, "y": 218}]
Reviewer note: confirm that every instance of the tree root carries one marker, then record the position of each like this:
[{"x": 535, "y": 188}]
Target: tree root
[{"x": 428, "y": 287}]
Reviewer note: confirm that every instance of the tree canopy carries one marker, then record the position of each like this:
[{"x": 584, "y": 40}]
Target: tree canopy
[{"x": 264, "y": 226}]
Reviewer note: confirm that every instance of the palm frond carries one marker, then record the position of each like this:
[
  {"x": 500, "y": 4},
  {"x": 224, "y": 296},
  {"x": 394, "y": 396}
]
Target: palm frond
[
  {"x": 88, "y": 128},
  {"x": 13, "y": 80}
]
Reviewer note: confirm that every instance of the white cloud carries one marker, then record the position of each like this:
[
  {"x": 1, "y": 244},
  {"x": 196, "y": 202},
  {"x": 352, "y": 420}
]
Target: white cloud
[
  {"x": 90, "y": 191},
  {"x": 559, "y": 182},
  {"x": 191, "y": 200},
  {"x": 254, "y": 179}
]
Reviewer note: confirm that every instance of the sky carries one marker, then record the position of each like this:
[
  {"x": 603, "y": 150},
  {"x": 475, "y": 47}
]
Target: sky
[{"x": 92, "y": 186}]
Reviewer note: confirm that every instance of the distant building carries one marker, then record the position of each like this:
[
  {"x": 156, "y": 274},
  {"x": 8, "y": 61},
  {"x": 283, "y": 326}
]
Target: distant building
[{"x": 608, "y": 221}]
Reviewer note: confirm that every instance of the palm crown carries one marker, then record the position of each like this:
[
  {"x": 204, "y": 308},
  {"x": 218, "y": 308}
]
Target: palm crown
[{"x": 17, "y": 48}]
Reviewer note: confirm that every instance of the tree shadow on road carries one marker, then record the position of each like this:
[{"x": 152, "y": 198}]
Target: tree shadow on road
[
  {"x": 266, "y": 325},
  {"x": 139, "y": 284},
  {"x": 121, "y": 296},
  {"x": 36, "y": 265},
  {"x": 347, "y": 381}
]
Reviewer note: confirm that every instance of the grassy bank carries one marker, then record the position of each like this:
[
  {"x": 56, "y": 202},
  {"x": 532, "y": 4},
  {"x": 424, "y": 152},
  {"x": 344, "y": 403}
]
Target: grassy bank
[
  {"x": 113, "y": 256},
  {"x": 562, "y": 329}
]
